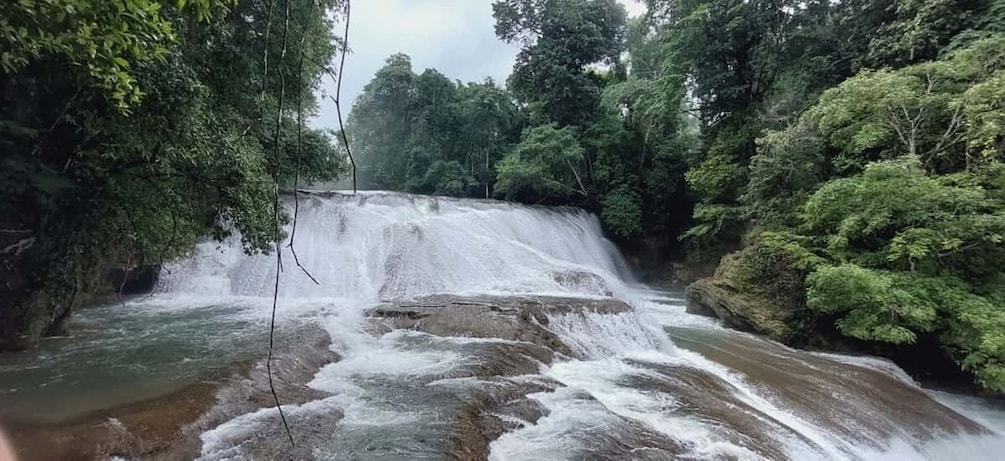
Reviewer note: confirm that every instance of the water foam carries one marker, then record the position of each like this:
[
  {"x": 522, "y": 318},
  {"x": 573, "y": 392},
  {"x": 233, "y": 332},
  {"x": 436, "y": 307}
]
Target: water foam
[
  {"x": 382, "y": 246},
  {"x": 379, "y": 246}
]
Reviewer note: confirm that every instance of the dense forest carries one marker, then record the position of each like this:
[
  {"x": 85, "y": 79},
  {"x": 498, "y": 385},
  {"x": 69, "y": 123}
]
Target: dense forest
[
  {"x": 847, "y": 156},
  {"x": 130, "y": 130},
  {"x": 851, "y": 151}
]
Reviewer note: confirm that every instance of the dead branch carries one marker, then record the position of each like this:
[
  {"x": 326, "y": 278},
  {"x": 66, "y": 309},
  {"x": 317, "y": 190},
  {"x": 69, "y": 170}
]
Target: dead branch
[{"x": 18, "y": 247}]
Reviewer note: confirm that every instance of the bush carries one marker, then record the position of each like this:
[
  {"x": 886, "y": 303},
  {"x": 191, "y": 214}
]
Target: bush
[
  {"x": 622, "y": 212},
  {"x": 873, "y": 304},
  {"x": 776, "y": 265}
]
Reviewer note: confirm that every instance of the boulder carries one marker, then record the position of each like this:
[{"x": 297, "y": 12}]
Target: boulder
[{"x": 720, "y": 296}]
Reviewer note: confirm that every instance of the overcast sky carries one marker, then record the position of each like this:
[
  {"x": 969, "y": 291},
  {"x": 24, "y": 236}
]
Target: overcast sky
[{"x": 456, "y": 37}]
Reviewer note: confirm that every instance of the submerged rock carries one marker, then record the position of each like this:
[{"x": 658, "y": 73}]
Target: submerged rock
[
  {"x": 504, "y": 342},
  {"x": 490, "y": 396},
  {"x": 581, "y": 282},
  {"x": 168, "y": 427},
  {"x": 863, "y": 399}
]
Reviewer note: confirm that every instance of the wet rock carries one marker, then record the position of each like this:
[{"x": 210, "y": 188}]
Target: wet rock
[
  {"x": 149, "y": 429},
  {"x": 605, "y": 436},
  {"x": 709, "y": 398},
  {"x": 490, "y": 397},
  {"x": 498, "y": 406},
  {"x": 131, "y": 281},
  {"x": 721, "y": 296},
  {"x": 743, "y": 311},
  {"x": 582, "y": 282},
  {"x": 868, "y": 404},
  {"x": 517, "y": 318},
  {"x": 168, "y": 427},
  {"x": 298, "y": 355}
]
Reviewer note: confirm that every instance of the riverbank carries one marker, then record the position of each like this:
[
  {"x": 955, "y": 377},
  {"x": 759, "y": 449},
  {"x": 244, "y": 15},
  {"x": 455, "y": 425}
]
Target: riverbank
[
  {"x": 168, "y": 427},
  {"x": 171, "y": 426},
  {"x": 769, "y": 298}
]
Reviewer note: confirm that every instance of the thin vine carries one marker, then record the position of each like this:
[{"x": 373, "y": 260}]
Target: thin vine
[{"x": 277, "y": 205}]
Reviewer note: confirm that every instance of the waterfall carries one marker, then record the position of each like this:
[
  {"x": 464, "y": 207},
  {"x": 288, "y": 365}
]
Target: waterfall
[
  {"x": 379, "y": 245},
  {"x": 650, "y": 383}
]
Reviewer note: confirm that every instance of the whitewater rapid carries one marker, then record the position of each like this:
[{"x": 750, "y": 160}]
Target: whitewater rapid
[{"x": 655, "y": 370}]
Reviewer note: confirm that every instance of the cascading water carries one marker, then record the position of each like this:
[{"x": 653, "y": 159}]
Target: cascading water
[
  {"x": 652, "y": 383},
  {"x": 381, "y": 245}
]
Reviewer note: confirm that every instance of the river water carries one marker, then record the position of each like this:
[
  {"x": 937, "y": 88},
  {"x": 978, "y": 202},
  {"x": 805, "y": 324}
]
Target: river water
[{"x": 652, "y": 383}]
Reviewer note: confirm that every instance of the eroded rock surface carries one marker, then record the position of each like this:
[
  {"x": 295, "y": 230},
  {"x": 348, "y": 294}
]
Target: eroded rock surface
[
  {"x": 717, "y": 298},
  {"x": 490, "y": 397},
  {"x": 168, "y": 427},
  {"x": 503, "y": 343},
  {"x": 720, "y": 296},
  {"x": 517, "y": 318}
]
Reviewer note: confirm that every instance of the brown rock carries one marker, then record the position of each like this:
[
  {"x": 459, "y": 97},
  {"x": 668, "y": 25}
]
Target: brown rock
[
  {"x": 168, "y": 427},
  {"x": 743, "y": 311},
  {"x": 514, "y": 318},
  {"x": 498, "y": 403},
  {"x": 721, "y": 296}
]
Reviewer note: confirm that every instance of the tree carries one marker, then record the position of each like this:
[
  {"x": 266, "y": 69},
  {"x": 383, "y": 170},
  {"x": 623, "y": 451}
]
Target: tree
[
  {"x": 381, "y": 123},
  {"x": 447, "y": 178},
  {"x": 403, "y": 124},
  {"x": 561, "y": 39},
  {"x": 928, "y": 110},
  {"x": 917, "y": 30},
  {"x": 132, "y": 130},
  {"x": 105, "y": 38},
  {"x": 869, "y": 136},
  {"x": 873, "y": 305},
  {"x": 544, "y": 165},
  {"x": 492, "y": 123}
]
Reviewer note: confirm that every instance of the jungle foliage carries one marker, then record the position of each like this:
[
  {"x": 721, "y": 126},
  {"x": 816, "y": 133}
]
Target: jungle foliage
[
  {"x": 129, "y": 130},
  {"x": 856, "y": 147},
  {"x": 573, "y": 126}
]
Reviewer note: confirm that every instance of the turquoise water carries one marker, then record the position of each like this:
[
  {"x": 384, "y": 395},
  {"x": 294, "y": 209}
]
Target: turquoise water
[
  {"x": 119, "y": 353},
  {"x": 388, "y": 393}
]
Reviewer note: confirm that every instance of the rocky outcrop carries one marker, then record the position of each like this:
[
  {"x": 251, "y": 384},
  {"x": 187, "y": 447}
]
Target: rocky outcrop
[
  {"x": 745, "y": 312},
  {"x": 498, "y": 402},
  {"x": 517, "y": 318},
  {"x": 33, "y": 306},
  {"x": 720, "y": 296}
]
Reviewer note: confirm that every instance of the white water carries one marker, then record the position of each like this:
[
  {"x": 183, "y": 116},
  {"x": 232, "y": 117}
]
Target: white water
[{"x": 378, "y": 246}]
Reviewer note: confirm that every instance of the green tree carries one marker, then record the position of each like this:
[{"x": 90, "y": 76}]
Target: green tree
[
  {"x": 561, "y": 39},
  {"x": 381, "y": 123},
  {"x": 447, "y": 178},
  {"x": 103, "y": 39},
  {"x": 123, "y": 145},
  {"x": 492, "y": 123},
  {"x": 544, "y": 165}
]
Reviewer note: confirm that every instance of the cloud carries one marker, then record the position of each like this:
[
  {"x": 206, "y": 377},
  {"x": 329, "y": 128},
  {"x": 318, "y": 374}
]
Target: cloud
[{"x": 456, "y": 37}]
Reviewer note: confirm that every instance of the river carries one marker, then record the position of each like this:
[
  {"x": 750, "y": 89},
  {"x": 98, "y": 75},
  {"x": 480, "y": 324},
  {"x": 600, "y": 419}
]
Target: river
[{"x": 650, "y": 383}]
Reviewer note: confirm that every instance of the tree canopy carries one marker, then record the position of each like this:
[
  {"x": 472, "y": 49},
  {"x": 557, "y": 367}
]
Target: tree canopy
[
  {"x": 853, "y": 148},
  {"x": 856, "y": 147},
  {"x": 130, "y": 130}
]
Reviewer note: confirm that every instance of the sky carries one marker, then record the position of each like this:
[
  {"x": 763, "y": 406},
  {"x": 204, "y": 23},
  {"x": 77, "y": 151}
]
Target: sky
[{"x": 456, "y": 37}]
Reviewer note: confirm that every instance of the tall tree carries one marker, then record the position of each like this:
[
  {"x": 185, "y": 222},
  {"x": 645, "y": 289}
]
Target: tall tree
[
  {"x": 421, "y": 133},
  {"x": 491, "y": 123},
  {"x": 130, "y": 130},
  {"x": 561, "y": 40},
  {"x": 381, "y": 123}
]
